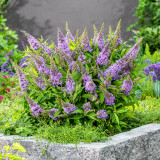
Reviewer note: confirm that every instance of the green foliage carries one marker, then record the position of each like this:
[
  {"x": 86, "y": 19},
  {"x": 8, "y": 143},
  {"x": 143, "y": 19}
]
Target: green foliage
[
  {"x": 72, "y": 134},
  {"x": 156, "y": 89},
  {"x": 145, "y": 86},
  {"x": 151, "y": 36},
  {"x": 154, "y": 58},
  {"x": 147, "y": 112},
  {"x": 148, "y": 13},
  {"x": 3, "y": 5},
  {"x": 14, "y": 120},
  {"x": 9, "y": 86},
  {"x": 8, "y": 39},
  {"x": 9, "y": 152}
]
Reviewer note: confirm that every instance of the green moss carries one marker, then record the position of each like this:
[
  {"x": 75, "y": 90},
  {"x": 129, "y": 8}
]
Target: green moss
[{"x": 72, "y": 134}]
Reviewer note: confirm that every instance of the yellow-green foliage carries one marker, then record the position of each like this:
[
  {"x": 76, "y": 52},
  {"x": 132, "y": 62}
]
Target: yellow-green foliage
[
  {"x": 10, "y": 111},
  {"x": 8, "y": 152},
  {"x": 154, "y": 58}
]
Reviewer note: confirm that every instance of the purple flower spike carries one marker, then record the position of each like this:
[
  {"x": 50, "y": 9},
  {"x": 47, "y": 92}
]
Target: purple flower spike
[
  {"x": 119, "y": 41},
  {"x": 146, "y": 71},
  {"x": 32, "y": 41},
  {"x": 35, "y": 108},
  {"x": 54, "y": 111},
  {"x": 55, "y": 75},
  {"x": 69, "y": 37},
  {"x": 62, "y": 43},
  {"x": 109, "y": 99},
  {"x": 113, "y": 71},
  {"x": 86, "y": 79},
  {"x": 22, "y": 81},
  {"x": 47, "y": 49},
  {"x": 100, "y": 41},
  {"x": 70, "y": 84},
  {"x": 127, "y": 85},
  {"x": 134, "y": 49},
  {"x": 154, "y": 77},
  {"x": 86, "y": 42},
  {"x": 11, "y": 53},
  {"x": 147, "y": 61},
  {"x": 40, "y": 83},
  {"x": 68, "y": 107},
  {"x": 81, "y": 56},
  {"x": 90, "y": 87},
  {"x": 102, "y": 114},
  {"x": 102, "y": 58},
  {"x": 87, "y": 107}
]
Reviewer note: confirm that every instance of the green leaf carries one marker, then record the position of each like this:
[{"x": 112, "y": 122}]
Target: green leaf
[
  {"x": 56, "y": 114},
  {"x": 102, "y": 97},
  {"x": 76, "y": 117},
  {"x": 7, "y": 148},
  {"x": 18, "y": 147},
  {"x": 74, "y": 96},
  {"x": 78, "y": 111},
  {"x": 87, "y": 95},
  {"x": 118, "y": 127},
  {"x": 116, "y": 117},
  {"x": 131, "y": 115},
  {"x": 121, "y": 110},
  {"x": 124, "y": 98}
]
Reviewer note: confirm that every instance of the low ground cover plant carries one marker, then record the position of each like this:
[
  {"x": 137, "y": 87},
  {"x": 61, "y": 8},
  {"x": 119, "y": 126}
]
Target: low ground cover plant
[
  {"x": 8, "y": 153},
  {"x": 147, "y": 112}
]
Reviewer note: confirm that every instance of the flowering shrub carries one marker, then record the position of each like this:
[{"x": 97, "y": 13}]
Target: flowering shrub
[{"x": 80, "y": 80}]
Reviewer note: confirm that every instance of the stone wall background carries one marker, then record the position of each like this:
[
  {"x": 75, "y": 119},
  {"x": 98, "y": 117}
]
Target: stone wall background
[{"x": 42, "y": 17}]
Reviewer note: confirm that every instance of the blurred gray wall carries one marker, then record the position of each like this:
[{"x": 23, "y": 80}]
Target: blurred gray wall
[{"x": 42, "y": 17}]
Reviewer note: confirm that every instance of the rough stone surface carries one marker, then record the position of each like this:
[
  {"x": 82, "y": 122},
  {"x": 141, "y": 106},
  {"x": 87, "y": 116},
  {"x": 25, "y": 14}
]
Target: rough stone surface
[
  {"x": 42, "y": 17},
  {"x": 142, "y": 143}
]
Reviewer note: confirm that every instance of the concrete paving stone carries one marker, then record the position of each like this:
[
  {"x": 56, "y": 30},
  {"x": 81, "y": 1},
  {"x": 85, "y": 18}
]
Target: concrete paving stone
[
  {"x": 142, "y": 143},
  {"x": 42, "y": 17}
]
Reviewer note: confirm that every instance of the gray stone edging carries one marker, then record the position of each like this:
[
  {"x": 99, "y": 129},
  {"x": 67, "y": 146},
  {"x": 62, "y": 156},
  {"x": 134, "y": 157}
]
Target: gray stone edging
[{"x": 142, "y": 143}]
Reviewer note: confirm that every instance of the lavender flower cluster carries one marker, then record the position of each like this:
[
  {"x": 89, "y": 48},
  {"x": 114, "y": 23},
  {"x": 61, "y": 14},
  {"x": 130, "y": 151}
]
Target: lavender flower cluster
[
  {"x": 35, "y": 108},
  {"x": 153, "y": 70}
]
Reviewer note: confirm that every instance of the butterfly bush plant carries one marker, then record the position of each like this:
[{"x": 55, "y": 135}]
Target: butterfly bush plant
[{"x": 80, "y": 80}]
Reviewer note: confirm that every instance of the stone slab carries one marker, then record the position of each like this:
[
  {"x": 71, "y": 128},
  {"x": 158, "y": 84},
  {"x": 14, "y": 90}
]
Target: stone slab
[{"x": 142, "y": 143}]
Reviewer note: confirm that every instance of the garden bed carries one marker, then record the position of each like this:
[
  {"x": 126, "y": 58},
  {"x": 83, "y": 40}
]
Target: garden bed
[{"x": 138, "y": 144}]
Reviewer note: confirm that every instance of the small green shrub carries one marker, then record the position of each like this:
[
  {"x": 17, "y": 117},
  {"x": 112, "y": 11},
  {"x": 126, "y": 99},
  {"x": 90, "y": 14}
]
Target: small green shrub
[
  {"x": 147, "y": 112},
  {"x": 148, "y": 13}
]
